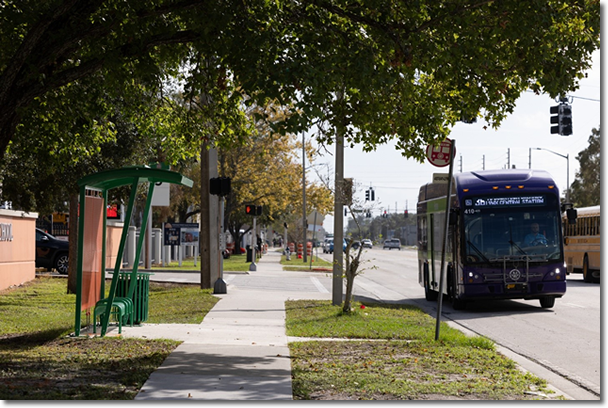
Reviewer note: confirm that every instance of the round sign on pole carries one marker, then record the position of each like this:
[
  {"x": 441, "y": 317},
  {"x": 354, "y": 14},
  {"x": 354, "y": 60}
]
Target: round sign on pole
[{"x": 439, "y": 156}]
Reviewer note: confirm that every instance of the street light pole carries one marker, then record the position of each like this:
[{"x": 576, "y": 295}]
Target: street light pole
[
  {"x": 338, "y": 255},
  {"x": 567, "y": 157}
]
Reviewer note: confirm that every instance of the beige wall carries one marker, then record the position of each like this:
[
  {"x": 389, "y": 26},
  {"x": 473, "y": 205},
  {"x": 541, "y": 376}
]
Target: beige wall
[{"x": 17, "y": 247}]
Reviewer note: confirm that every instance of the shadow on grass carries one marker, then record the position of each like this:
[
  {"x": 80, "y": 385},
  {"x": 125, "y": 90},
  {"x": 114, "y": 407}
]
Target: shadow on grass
[{"x": 28, "y": 340}]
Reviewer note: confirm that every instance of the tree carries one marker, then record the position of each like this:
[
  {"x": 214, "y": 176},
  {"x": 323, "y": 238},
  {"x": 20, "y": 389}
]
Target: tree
[
  {"x": 404, "y": 71},
  {"x": 585, "y": 190},
  {"x": 41, "y": 173},
  {"x": 266, "y": 172}
]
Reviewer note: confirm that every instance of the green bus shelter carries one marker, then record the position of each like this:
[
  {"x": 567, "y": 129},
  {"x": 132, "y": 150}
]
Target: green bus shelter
[{"x": 90, "y": 289}]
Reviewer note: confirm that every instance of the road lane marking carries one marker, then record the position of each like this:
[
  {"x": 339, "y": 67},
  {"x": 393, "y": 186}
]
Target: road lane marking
[{"x": 319, "y": 285}]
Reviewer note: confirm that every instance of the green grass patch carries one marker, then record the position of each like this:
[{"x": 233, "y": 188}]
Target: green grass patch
[
  {"x": 236, "y": 263},
  {"x": 39, "y": 306},
  {"x": 38, "y": 360},
  {"x": 397, "y": 357},
  {"x": 297, "y": 264},
  {"x": 319, "y": 318},
  {"x": 175, "y": 303}
]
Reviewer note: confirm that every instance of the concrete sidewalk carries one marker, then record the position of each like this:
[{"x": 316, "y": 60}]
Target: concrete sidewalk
[{"x": 239, "y": 351}]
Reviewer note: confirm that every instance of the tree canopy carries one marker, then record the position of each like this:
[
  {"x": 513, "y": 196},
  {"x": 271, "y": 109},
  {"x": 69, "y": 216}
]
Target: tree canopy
[{"x": 379, "y": 69}]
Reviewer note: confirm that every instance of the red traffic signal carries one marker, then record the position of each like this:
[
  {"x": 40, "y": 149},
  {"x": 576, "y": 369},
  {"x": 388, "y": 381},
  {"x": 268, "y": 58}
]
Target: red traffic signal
[{"x": 251, "y": 209}]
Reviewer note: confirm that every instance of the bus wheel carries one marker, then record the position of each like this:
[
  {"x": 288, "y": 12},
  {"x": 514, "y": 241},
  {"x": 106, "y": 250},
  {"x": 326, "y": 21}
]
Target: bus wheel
[
  {"x": 547, "y": 302},
  {"x": 587, "y": 275}
]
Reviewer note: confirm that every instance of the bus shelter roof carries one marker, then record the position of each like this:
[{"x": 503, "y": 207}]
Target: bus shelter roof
[{"x": 109, "y": 179}]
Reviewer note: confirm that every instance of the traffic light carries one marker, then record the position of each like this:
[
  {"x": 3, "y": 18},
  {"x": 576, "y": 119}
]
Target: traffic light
[
  {"x": 562, "y": 119},
  {"x": 372, "y": 195},
  {"x": 219, "y": 186},
  {"x": 254, "y": 210},
  {"x": 405, "y": 214},
  {"x": 366, "y": 195}
]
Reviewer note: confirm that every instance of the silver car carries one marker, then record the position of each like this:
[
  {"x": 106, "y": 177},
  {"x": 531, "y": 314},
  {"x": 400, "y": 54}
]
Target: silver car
[{"x": 392, "y": 243}]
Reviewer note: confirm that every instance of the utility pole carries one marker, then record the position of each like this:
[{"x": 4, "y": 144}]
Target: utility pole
[
  {"x": 338, "y": 258},
  {"x": 209, "y": 234}
]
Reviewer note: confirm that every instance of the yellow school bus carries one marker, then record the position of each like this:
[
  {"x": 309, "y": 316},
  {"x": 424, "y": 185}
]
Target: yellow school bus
[{"x": 582, "y": 243}]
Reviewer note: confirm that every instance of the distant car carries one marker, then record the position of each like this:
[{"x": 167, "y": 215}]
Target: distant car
[
  {"x": 51, "y": 252},
  {"x": 355, "y": 245},
  {"x": 326, "y": 245},
  {"x": 392, "y": 243},
  {"x": 367, "y": 243},
  {"x": 331, "y": 246}
]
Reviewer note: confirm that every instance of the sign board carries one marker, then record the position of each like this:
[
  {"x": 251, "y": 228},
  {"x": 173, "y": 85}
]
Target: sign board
[
  {"x": 161, "y": 195},
  {"x": 439, "y": 156},
  {"x": 440, "y": 178},
  {"x": 315, "y": 228},
  {"x": 315, "y": 218},
  {"x": 181, "y": 234}
]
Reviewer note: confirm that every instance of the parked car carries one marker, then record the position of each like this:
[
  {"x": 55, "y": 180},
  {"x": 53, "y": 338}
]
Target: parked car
[
  {"x": 331, "y": 246},
  {"x": 326, "y": 245},
  {"x": 367, "y": 243},
  {"x": 355, "y": 245},
  {"x": 392, "y": 243},
  {"x": 51, "y": 252}
]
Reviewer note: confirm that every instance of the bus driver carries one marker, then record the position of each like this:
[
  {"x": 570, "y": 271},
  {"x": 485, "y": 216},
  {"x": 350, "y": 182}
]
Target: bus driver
[{"x": 534, "y": 238}]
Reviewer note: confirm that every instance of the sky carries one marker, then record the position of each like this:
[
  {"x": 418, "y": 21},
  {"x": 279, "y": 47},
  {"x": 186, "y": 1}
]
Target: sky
[{"x": 396, "y": 180}]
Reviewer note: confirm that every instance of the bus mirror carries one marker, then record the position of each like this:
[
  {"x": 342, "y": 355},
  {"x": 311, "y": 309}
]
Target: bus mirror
[{"x": 571, "y": 214}]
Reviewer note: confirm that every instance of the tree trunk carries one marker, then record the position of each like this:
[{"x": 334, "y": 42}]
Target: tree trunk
[{"x": 73, "y": 242}]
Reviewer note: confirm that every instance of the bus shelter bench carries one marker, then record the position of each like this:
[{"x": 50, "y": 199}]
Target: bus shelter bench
[{"x": 122, "y": 309}]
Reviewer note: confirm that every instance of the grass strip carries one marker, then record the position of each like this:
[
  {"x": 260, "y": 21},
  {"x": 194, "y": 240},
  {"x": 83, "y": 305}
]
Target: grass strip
[{"x": 391, "y": 354}]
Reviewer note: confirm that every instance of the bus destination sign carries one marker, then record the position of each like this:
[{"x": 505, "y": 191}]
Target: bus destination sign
[{"x": 512, "y": 201}]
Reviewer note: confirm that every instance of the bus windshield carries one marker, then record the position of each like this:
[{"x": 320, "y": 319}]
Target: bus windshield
[{"x": 512, "y": 227}]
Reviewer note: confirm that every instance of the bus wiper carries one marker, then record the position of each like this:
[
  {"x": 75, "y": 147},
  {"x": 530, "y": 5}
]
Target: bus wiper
[
  {"x": 513, "y": 244},
  {"x": 478, "y": 251}
]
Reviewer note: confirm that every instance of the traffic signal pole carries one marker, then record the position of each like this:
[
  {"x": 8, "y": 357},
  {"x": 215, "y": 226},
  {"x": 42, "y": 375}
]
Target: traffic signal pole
[{"x": 252, "y": 266}]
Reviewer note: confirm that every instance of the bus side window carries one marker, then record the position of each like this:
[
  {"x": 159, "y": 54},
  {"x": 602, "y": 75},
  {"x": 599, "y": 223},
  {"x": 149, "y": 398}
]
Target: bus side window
[{"x": 422, "y": 236}]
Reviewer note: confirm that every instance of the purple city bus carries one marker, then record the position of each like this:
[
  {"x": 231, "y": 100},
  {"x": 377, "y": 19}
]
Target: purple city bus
[{"x": 504, "y": 237}]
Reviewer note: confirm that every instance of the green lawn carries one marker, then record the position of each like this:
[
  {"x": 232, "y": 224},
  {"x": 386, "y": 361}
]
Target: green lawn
[
  {"x": 40, "y": 361},
  {"x": 389, "y": 352}
]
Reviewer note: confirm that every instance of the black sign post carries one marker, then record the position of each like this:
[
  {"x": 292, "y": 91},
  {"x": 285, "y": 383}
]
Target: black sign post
[{"x": 440, "y": 158}]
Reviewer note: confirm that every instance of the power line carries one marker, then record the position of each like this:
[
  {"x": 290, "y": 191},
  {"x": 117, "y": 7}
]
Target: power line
[{"x": 587, "y": 99}]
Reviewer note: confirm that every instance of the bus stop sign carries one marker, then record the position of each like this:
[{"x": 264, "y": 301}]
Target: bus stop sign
[{"x": 439, "y": 156}]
